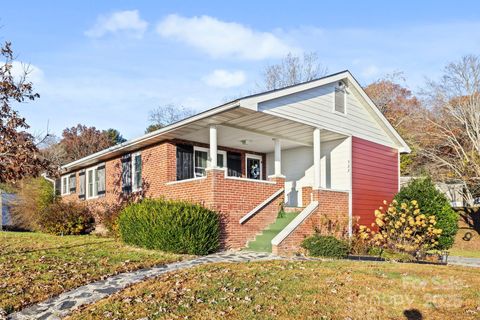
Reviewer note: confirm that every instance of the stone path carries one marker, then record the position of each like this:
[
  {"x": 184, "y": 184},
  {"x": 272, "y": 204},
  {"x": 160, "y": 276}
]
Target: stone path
[
  {"x": 462, "y": 261},
  {"x": 59, "y": 306}
]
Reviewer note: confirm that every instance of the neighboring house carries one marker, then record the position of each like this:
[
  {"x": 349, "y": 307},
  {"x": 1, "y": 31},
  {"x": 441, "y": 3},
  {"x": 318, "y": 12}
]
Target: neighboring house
[
  {"x": 5, "y": 201},
  {"x": 455, "y": 191},
  {"x": 322, "y": 146}
]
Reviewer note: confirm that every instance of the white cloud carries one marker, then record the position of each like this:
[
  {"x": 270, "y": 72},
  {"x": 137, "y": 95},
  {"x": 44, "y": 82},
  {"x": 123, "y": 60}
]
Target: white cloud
[
  {"x": 223, "y": 39},
  {"x": 225, "y": 79},
  {"x": 128, "y": 22},
  {"x": 34, "y": 73}
]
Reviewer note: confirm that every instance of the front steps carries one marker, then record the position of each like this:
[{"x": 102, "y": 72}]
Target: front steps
[{"x": 263, "y": 241}]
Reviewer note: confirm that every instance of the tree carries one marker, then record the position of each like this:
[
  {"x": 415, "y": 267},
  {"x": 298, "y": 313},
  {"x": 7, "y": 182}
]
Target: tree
[
  {"x": 394, "y": 100},
  {"x": 115, "y": 136},
  {"x": 52, "y": 150},
  {"x": 452, "y": 138},
  {"x": 19, "y": 155},
  {"x": 404, "y": 111},
  {"x": 81, "y": 141},
  {"x": 292, "y": 69},
  {"x": 164, "y": 115}
]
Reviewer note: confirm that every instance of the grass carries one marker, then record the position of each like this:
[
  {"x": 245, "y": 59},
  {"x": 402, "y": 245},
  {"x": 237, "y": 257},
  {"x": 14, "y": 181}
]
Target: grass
[
  {"x": 299, "y": 290},
  {"x": 461, "y": 247},
  {"x": 263, "y": 242},
  {"x": 35, "y": 266}
]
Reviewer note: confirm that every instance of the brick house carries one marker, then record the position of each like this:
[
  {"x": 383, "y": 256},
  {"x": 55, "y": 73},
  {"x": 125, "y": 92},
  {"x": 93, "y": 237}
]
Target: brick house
[{"x": 321, "y": 146}]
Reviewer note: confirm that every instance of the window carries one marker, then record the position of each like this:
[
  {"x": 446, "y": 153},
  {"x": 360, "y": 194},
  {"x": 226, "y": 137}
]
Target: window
[
  {"x": 65, "y": 185},
  {"x": 95, "y": 181},
  {"x": 72, "y": 184},
  {"x": 136, "y": 172},
  {"x": 201, "y": 160},
  {"x": 90, "y": 184},
  {"x": 340, "y": 100},
  {"x": 132, "y": 172}
]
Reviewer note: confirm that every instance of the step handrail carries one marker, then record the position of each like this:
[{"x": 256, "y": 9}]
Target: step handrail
[
  {"x": 282, "y": 235},
  {"x": 260, "y": 206}
]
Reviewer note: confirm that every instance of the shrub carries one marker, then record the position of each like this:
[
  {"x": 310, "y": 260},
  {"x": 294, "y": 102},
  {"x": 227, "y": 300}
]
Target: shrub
[
  {"x": 325, "y": 246},
  {"x": 108, "y": 214},
  {"x": 432, "y": 202},
  {"x": 402, "y": 228},
  {"x": 33, "y": 195},
  {"x": 173, "y": 226},
  {"x": 66, "y": 218}
]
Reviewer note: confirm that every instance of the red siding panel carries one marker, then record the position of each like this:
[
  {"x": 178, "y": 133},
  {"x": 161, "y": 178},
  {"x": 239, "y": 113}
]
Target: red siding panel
[{"x": 374, "y": 177}]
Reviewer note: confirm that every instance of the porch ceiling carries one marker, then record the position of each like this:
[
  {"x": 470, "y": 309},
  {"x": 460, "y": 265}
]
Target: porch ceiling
[
  {"x": 235, "y": 124},
  {"x": 256, "y": 128}
]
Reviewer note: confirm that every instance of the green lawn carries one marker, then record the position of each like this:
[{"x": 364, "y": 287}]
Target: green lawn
[
  {"x": 35, "y": 266},
  {"x": 299, "y": 290}
]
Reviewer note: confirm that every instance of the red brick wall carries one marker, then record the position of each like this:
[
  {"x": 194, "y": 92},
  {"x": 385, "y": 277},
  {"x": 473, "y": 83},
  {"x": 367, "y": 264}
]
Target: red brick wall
[
  {"x": 331, "y": 204},
  {"x": 306, "y": 196},
  {"x": 375, "y": 178},
  {"x": 232, "y": 197}
]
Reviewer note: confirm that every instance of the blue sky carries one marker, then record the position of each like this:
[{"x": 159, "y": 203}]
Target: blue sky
[{"x": 107, "y": 63}]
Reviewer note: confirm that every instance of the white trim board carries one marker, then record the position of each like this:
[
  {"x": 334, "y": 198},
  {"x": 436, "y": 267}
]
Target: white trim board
[
  {"x": 295, "y": 223},
  {"x": 260, "y": 206}
]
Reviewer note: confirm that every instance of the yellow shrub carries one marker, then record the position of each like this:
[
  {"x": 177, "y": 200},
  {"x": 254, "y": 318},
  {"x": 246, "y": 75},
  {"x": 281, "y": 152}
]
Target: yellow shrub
[{"x": 402, "y": 228}]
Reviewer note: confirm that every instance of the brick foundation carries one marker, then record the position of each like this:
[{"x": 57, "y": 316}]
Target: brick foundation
[{"x": 331, "y": 204}]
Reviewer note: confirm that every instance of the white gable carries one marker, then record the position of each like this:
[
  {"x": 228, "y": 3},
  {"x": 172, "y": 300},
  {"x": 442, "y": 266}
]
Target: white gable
[{"x": 313, "y": 103}]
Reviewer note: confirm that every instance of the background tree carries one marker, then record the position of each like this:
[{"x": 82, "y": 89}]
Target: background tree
[
  {"x": 19, "y": 155},
  {"x": 452, "y": 136},
  {"x": 406, "y": 114},
  {"x": 115, "y": 136},
  {"x": 164, "y": 115},
  {"x": 81, "y": 141},
  {"x": 292, "y": 69}
]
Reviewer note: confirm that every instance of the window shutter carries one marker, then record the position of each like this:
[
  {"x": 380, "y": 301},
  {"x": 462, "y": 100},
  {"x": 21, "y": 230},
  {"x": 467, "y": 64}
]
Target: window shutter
[
  {"x": 82, "y": 184},
  {"x": 127, "y": 173},
  {"x": 101, "y": 180},
  {"x": 184, "y": 162},
  {"x": 138, "y": 172},
  {"x": 72, "y": 183}
]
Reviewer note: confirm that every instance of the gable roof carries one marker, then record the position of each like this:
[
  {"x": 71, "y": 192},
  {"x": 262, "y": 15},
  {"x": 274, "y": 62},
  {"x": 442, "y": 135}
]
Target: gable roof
[{"x": 251, "y": 102}]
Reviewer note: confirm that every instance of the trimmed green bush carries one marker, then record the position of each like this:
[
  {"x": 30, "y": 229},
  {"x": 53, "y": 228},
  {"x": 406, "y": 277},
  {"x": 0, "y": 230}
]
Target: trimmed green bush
[
  {"x": 325, "y": 246},
  {"x": 173, "y": 226},
  {"x": 66, "y": 218},
  {"x": 432, "y": 202}
]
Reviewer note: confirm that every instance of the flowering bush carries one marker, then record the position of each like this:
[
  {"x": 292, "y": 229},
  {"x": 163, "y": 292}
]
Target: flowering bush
[{"x": 402, "y": 228}]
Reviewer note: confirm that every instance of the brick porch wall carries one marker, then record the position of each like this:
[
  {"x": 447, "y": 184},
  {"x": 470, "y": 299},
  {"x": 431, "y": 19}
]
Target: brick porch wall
[
  {"x": 331, "y": 204},
  {"x": 232, "y": 197}
]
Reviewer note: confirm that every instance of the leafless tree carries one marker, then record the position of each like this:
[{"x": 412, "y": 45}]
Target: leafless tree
[
  {"x": 164, "y": 115},
  {"x": 453, "y": 141},
  {"x": 291, "y": 70}
]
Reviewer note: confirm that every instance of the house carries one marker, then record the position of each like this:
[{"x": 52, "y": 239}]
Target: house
[{"x": 321, "y": 146}]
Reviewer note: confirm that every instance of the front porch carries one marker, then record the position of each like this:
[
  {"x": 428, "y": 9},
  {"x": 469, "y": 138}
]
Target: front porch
[
  {"x": 247, "y": 164},
  {"x": 308, "y": 158}
]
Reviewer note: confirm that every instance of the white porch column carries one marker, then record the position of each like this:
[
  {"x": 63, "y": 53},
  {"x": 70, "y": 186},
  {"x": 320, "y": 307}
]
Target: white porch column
[
  {"x": 278, "y": 157},
  {"x": 316, "y": 158},
  {"x": 213, "y": 146}
]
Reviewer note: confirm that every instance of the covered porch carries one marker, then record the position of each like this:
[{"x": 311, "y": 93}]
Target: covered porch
[{"x": 254, "y": 146}]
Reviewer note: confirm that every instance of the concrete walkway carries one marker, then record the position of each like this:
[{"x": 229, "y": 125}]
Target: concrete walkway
[
  {"x": 59, "y": 306},
  {"x": 462, "y": 261}
]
